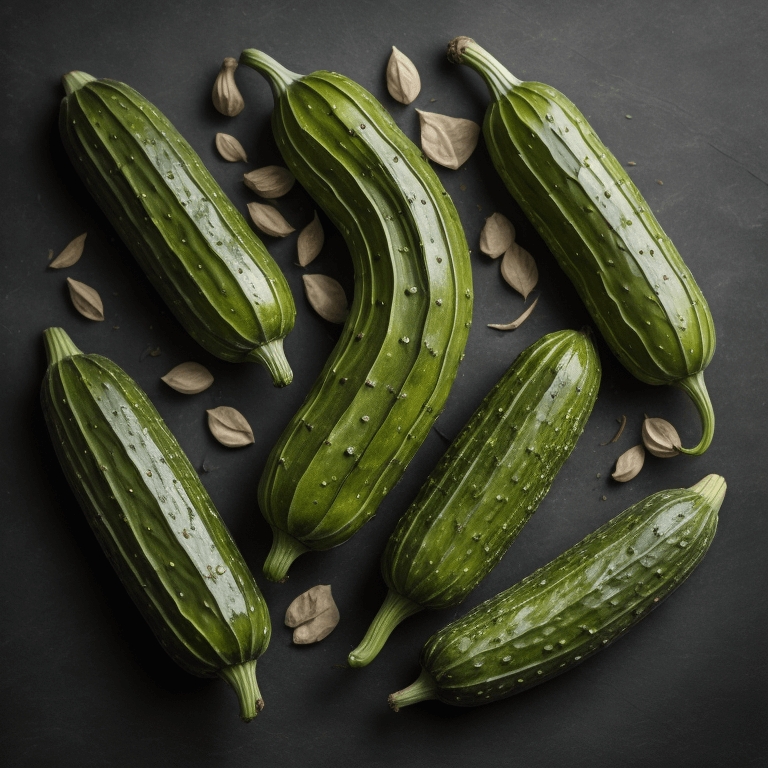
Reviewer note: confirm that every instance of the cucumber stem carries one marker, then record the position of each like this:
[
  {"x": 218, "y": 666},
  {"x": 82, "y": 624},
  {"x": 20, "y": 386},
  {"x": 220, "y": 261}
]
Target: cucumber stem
[
  {"x": 73, "y": 81},
  {"x": 712, "y": 488},
  {"x": 278, "y": 76},
  {"x": 285, "y": 549},
  {"x": 422, "y": 689},
  {"x": 242, "y": 677},
  {"x": 697, "y": 391},
  {"x": 272, "y": 356},
  {"x": 464, "y": 50},
  {"x": 394, "y": 609},
  {"x": 58, "y": 345}
]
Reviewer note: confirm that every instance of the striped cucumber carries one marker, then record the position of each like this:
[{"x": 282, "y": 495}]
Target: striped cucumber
[
  {"x": 154, "y": 519},
  {"x": 389, "y": 375},
  {"x": 210, "y": 268},
  {"x": 572, "y": 607},
  {"x": 488, "y": 484},
  {"x": 630, "y": 276}
]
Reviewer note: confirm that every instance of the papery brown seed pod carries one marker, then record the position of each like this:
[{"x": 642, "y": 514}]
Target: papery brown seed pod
[{"x": 226, "y": 97}]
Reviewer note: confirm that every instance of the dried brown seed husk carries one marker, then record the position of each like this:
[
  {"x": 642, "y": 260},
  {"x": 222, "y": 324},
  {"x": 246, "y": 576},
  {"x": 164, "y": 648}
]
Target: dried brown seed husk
[
  {"x": 271, "y": 181},
  {"x": 310, "y": 242},
  {"x": 308, "y": 605},
  {"x": 86, "y": 300},
  {"x": 226, "y": 97},
  {"x": 660, "y": 438},
  {"x": 188, "y": 378},
  {"x": 448, "y": 141},
  {"x": 516, "y": 323},
  {"x": 327, "y": 297},
  {"x": 71, "y": 254},
  {"x": 519, "y": 269},
  {"x": 318, "y": 628},
  {"x": 629, "y": 464},
  {"x": 269, "y": 220},
  {"x": 230, "y": 148},
  {"x": 497, "y": 236},
  {"x": 229, "y": 427},
  {"x": 403, "y": 81}
]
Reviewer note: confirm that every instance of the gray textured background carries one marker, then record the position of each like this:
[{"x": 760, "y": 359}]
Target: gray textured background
[{"x": 84, "y": 683}]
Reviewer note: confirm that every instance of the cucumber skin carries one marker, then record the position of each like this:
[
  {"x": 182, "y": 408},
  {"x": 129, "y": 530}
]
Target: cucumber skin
[
  {"x": 209, "y": 267},
  {"x": 493, "y": 476},
  {"x": 399, "y": 351},
  {"x": 599, "y": 227},
  {"x": 565, "y": 612},
  {"x": 131, "y": 478}
]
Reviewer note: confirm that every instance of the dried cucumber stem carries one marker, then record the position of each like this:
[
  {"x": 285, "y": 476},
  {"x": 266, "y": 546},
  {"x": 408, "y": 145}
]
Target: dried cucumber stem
[
  {"x": 422, "y": 689},
  {"x": 242, "y": 677},
  {"x": 285, "y": 549},
  {"x": 697, "y": 391},
  {"x": 395, "y": 609},
  {"x": 272, "y": 357}
]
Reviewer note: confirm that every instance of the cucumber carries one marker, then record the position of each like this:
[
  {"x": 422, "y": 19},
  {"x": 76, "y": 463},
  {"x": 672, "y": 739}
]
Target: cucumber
[
  {"x": 488, "y": 484},
  {"x": 602, "y": 232},
  {"x": 154, "y": 519},
  {"x": 389, "y": 375},
  {"x": 206, "y": 263},
  {"x": 572, "y": 607}
]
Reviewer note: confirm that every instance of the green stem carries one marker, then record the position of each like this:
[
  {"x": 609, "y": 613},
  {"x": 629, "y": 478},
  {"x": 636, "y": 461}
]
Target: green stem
[
  {"x": 712, "y": 488},
  {"x": 424, "y": 688},
  {"x": 272, "y": 356},
  {"x": 500, "y": 81},
  {"x": 697, "y": 391},
  {"x": 58, "y": 345},
  {"x": 394, "y": 609},
  {"x": 73, "y": 81},
  {"x": 242, "y": 677},
  {"x": 285, "y": 549},
  {"x": 278, "y": 76}
]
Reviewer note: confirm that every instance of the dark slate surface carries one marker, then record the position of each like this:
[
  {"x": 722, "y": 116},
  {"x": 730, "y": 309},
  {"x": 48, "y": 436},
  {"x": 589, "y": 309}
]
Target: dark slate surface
[{"x": 83, "y": 681}]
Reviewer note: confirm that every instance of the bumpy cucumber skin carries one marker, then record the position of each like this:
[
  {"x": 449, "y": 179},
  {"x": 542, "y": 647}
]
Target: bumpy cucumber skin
[
  {"x": 389, "y": 375},
  {"x": 490, "y": 481},
  {"x": 151, "y": 514},
  {"x": 575, "y": 605},
  {"x": 633, "y": 281},
  {"x": 212, "y": 271}
]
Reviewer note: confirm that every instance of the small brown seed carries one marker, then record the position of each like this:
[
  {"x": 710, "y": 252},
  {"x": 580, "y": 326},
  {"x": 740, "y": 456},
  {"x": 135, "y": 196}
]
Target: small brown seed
[
  {"x": 86, "y": 300},
  {"x": 519, "y": 270},
  {"x": 629, "y": 464},
  {"x": 230, "y": 148},
  {"x": 308, "y": 605},
  {"x": 226, "y": 97},
  {"x": 188, "y": 378},
  {"x": 269, "y": 220},
  {"x": 403, "y": 81},
  {"x": 229, "y": 427},
  {"x": 271, "y": 181},
  {"x": 448, "y": 141},
  {"x": 660, "y": 438},
  {"x": 327, "y": 297},
  {"x": 71, "y": 254},
  {"x": 497, "y": 235},
  {"x": 310, "y": 241}
]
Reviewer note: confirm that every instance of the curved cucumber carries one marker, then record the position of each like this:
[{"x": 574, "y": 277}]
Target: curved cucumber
[
  {"x": 572, "y": 607},
  {"x": 210, "y": 268},
  {"x": 488, "y": 484},
  {"x": 389, "y": 375},
  {"x": 630, "y": 276},
  {"x": 154, "y": 519}
]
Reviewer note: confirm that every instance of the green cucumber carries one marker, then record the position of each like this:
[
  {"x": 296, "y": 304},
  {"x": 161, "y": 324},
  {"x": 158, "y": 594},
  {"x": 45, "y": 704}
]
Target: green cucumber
[
  {"x": 154, "y": 519},
  {"x": 572, "y": 607},
  {"x": 206, "y": 263},
  {"x": 389, "y": 375},
  {"x": 602, "y": 232},
  {"x": 488, "y": 484}
]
